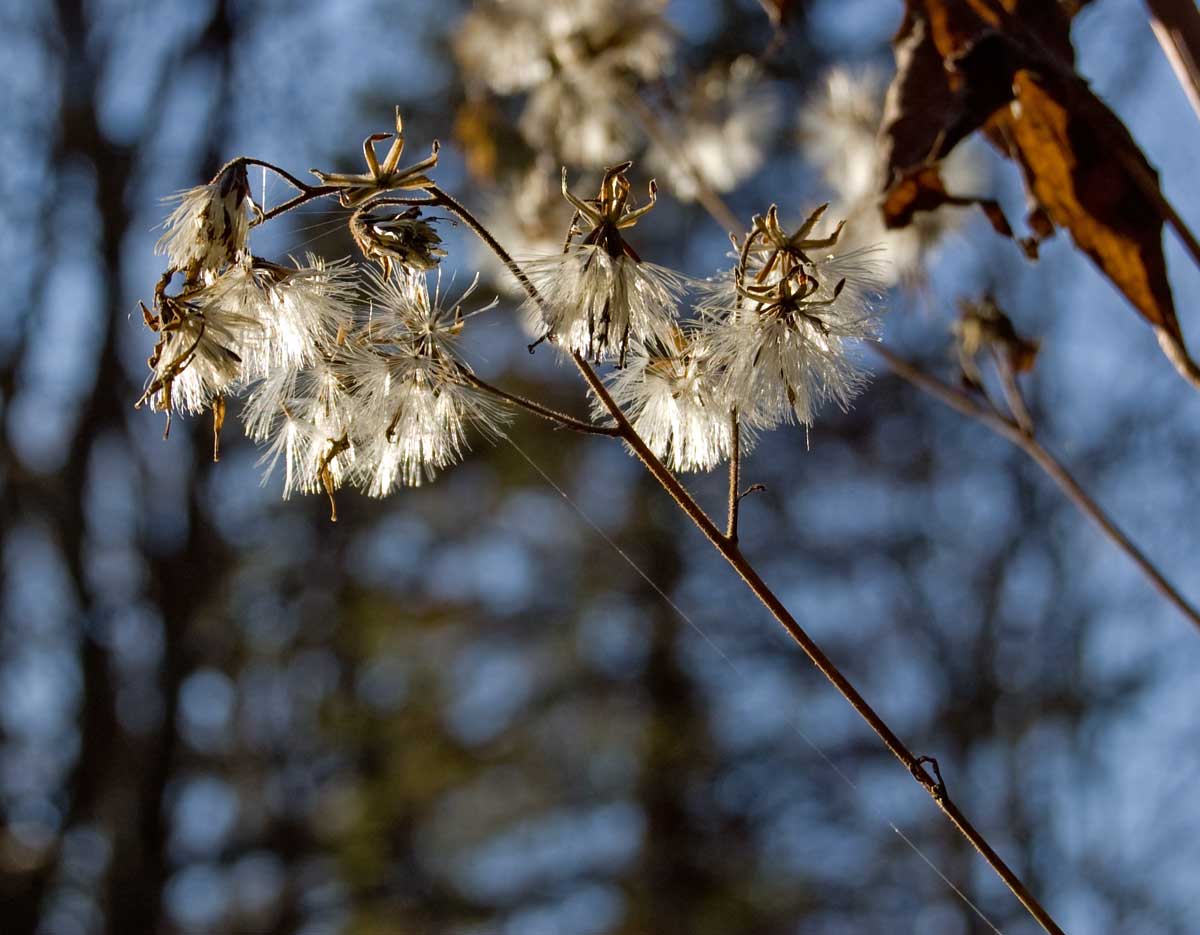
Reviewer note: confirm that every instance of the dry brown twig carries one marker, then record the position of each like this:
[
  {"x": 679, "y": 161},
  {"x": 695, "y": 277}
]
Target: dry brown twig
[{"x": 726, "y": 544}]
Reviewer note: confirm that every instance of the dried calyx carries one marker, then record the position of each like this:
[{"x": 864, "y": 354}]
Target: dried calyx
[
  {"x": 597, "y": 295},
  {"x": 774, "y": 254},
  {"x": 396, "y": 237},
  {"x": 610, "y": 212},
  {"x": 354, "y": 189},
  {"x": 779, "y": 327}
]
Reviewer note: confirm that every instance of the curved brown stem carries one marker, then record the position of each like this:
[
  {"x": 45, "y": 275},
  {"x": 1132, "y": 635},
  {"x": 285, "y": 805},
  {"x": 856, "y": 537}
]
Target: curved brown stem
[
  {"x": 308, "y": 194},
  {"x": 729, "y": 550},
  {"x": 545, "y": 412},
  {"x": 1025, "y": 440},
  {"x": 735, "y": 470},
  {"x": 727, "y": 546},
  {"x": 282, "y": 173},
  {"x": 485, "y": 235}
]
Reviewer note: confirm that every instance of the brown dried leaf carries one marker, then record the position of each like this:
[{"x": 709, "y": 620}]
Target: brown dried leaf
[
  {"x": 922, "y": 189},
  {"x": 1074, "y": 151},
  {"x": 1007, "y": 67}
]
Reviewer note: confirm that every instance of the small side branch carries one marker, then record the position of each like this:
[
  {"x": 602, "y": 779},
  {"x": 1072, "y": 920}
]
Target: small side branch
[
  {"x": 729, "y": 550},
  {"x": 735, "y": 470},
  {"x": 545, "y": 412},
  {"x": 1066, "y": 482},
  {"x": 440, "y": 197},
  {"x": 307, "y": 194},
  {"x": 282, "y": 173}
]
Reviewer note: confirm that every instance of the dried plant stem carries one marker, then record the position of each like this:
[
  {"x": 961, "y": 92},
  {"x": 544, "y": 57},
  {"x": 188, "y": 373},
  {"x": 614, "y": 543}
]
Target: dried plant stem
[
  {"x": 729, "y": 550},
  {"x": 309, "y": 193},
  {"x": 726, "y": 544},
  {"x": 1176, "y": 24},
  {"x": 1027, "y": 442},
  {"x": 545, "y": 412},
  {"x": 281, "y": 172},
  {"x": 735, "y": 470},
  {"x": 305, "y": 191}
]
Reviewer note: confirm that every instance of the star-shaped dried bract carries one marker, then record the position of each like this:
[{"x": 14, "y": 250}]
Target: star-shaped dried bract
[
  {"x": 609, "y": 212},
  {"x": 380, "y": 177},
  {"x": 768, "y": 238},
  {"x": 791, "y": 298}
]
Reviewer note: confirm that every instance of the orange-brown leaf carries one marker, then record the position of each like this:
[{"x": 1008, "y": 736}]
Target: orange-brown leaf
[
  {"x": 1074, "y": 153},
  {"x": 1007, "y": 66}
]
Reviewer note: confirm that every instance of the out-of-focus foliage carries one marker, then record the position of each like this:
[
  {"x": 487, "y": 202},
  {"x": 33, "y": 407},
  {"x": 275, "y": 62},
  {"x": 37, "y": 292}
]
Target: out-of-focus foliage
[{"x": 461, "y": 709}]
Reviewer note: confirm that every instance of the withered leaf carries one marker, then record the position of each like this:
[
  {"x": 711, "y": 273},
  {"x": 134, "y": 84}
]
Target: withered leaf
[
  {"x": 1007, "y": 67},
  {"x": 1073, "y": 152},
  {"x": 922, "y": 189}
]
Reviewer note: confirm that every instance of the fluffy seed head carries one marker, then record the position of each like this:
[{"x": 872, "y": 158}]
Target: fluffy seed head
[
  {"x": 781, "y": 330},
  {"x": 209, "y": 227},
  {"x": 676, "y": 403}
]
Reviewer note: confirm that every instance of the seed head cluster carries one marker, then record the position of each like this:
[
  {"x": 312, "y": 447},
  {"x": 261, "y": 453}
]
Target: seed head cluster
[{"x": 355, "y": 374}]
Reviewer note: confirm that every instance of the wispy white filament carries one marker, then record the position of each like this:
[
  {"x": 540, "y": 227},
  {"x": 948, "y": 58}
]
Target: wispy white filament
[
  {"x": 675, "y": 405},
  {"x": 779, "y": 365},
  {"x": 207, "y": 227},
  {"x": 594, "y": 304},
  {"x": 386, "y": 405}
]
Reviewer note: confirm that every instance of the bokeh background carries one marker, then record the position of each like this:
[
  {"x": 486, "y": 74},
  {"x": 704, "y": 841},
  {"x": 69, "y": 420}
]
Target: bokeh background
[{"x": 462, "y": 709}]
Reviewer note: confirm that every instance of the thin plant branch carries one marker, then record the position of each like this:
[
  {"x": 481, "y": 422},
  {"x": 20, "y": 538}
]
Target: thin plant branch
[
  {"x": 735, "y": 470},
  {"x": 1025, "y": 440},
  {"x": 1012, "y": 392},
  {"x": 309, "y": 193},
  {"x": 440, "y": 197},
  {"x": 728, "y": 548},
  {"x": 282, "y": 173},
  {"x": 305, "y": 191},
  {"x": 732, "y": 554},
  {"x": 545, "y": 412},
  {"x": 1176, "y": 25}
]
